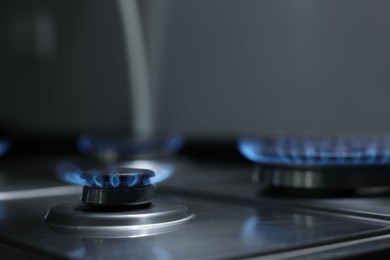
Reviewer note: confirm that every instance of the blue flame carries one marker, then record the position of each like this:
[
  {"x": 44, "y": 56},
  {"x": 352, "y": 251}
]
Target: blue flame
[
  {"x": 71, "y": 173},
  {"x": 146, "y": 182},
  {"x": 98, "y": 180},
  {"x": 91, "y": 180},
  {"x": 315, "y": 150},
  {"x": 75, "y": 178},
  {"x": 162, "y": 170},
  {"x": 4, "y": 146},
  {"x": 114, "y": 180},
  {"x": 132, "y": 180}
]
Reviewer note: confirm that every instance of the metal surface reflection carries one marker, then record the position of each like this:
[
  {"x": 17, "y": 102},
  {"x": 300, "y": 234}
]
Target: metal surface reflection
[
  {"x": 3, "y": 212},
  {"x": 162, "y": 170},
  {"x": 219, "y": 231},
  {"x": 118, "y": 248},
  {"x": 122, "y": 248},
  {"x": 75, "y": 219},
  {"x": 228, "y": 225},
  {"x": 270, "y": 226}
]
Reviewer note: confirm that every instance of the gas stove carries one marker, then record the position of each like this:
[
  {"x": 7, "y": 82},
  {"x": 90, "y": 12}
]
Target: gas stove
[{"x": 176, "y": 207}]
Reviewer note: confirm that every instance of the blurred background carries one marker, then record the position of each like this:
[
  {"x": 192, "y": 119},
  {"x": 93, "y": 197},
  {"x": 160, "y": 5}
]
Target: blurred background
[{"x": 209, "y": 70}]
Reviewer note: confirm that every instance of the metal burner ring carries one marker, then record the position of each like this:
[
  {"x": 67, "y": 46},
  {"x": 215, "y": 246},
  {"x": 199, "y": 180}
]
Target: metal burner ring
[{"x": 75, "y": 219}]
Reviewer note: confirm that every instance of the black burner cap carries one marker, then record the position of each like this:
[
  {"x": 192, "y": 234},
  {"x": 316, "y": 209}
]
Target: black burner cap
[{"x": 118, "y": 187}]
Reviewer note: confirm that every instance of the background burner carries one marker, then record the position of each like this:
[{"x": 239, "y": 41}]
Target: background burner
[
  {"x": 113, "y": 148},
  {"x": 338, "y": 163},
  {"x": 318, "y": 150}
]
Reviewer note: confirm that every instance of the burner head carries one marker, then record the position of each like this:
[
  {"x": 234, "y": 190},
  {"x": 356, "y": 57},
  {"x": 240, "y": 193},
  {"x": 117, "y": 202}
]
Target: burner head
[{"x": 118, "y": 187}]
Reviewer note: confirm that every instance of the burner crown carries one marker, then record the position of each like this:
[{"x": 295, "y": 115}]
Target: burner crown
[{"x": 118, "y": 186}]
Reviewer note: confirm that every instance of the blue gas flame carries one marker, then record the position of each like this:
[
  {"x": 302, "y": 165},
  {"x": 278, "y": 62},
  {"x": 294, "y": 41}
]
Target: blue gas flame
[
  {"x": 146, "y": 182},
  {"x": 69, "y": 172},
  {"x": 98, "y": 180},
  {"x": 4, "y": 146},
  {"x": 114, "y": 180},
  {"x": 316, "y": 150},
  {"x": 132, "y": 180}
]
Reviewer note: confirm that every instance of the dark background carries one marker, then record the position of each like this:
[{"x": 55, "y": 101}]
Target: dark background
[{"x": 217, "y": 68}]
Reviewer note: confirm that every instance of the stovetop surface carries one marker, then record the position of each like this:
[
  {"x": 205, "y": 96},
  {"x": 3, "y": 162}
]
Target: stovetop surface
[{"x": 231, "y": 219}]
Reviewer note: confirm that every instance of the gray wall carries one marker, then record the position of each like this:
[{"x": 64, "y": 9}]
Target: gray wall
[
  {"x": 62, "y": 67},
  {"x": 218, "y": 67},
  {"x": 228, "y": 66}
]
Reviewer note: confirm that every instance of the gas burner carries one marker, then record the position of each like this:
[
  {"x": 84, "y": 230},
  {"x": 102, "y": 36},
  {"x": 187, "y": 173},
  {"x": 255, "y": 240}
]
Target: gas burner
[
  {"x": 111, "y": 148},
  {"x": 117, "y": 202},
  {"x": 117, "y": 187},
  {"x": 320, "y": 163}
]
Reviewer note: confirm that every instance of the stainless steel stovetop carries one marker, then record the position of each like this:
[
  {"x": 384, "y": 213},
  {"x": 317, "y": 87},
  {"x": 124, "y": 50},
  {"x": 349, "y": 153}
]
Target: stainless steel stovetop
[{"x": 231, "y": 220}]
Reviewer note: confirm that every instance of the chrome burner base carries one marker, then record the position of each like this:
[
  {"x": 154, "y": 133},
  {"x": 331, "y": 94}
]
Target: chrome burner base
[
  {"x": 76, "y": 219},
  {"x": 317, "y": 178}
]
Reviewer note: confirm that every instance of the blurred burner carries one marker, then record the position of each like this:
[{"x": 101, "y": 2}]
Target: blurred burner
[
  {"x": 111, "y": 148},
  {"x": 318, "y": 151},
  {"x": 118, "y": 187},
  {"x": 320, "y": 163}
]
